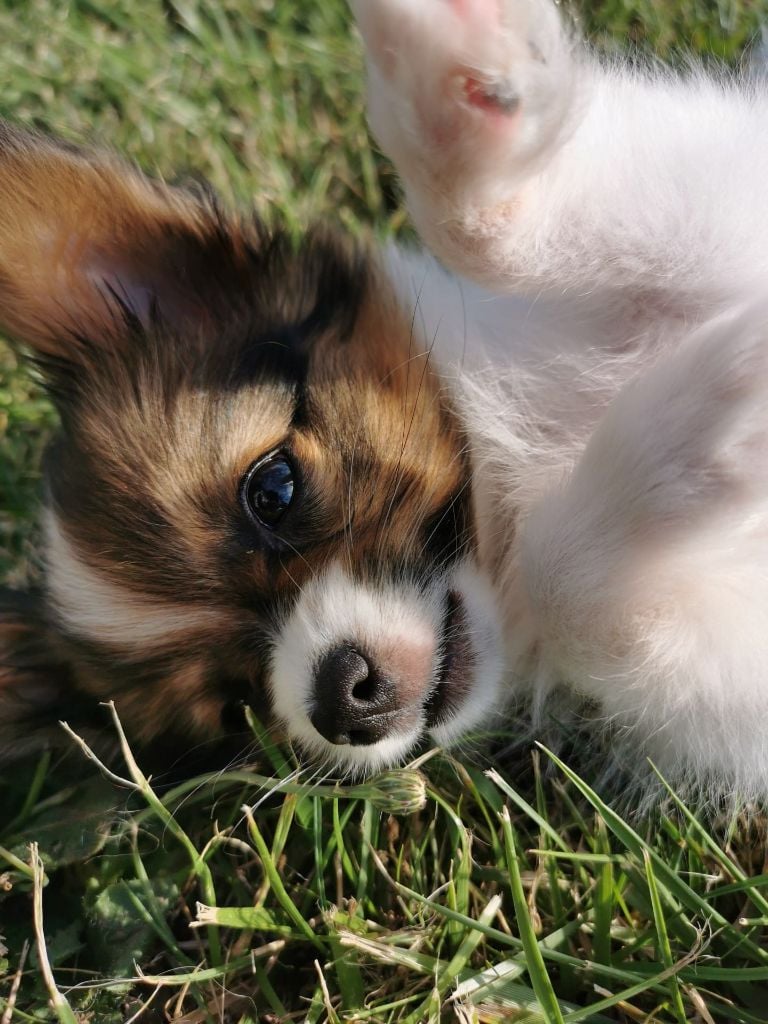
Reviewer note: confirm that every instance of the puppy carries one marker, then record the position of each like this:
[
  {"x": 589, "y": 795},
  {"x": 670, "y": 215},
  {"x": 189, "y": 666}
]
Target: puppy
[
  {"x": 378, "y": 502},
  {"x": 260, "y": 493}
]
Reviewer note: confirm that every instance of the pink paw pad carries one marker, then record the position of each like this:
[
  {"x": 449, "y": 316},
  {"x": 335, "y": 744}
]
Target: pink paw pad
[
  {"x": 490, "y": 97},
  {"x": 493, "y": 98},
  {"x": 484, "y": 10}
]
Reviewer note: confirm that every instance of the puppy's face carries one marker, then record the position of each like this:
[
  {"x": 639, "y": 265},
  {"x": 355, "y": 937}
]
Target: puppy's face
[{"x": 260, "y": 494}]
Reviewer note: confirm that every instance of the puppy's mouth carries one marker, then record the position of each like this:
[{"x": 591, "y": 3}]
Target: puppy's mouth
[{"x": 456, "y": 662}]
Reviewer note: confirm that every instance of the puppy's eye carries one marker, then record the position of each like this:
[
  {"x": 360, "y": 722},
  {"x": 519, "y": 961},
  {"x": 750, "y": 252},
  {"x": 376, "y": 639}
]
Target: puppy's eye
[{"x": 267, "y": 490}]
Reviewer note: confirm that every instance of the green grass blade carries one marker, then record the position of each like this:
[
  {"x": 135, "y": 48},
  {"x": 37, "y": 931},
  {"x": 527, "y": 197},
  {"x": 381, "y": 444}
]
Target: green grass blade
[
  {"x": 665, "y": 950},
  {"x": 676, "y": 888},
  {"x": 537, "y": 970}
]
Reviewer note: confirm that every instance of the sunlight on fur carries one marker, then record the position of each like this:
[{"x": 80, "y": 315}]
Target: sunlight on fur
[{"x": 381, "y": 501}]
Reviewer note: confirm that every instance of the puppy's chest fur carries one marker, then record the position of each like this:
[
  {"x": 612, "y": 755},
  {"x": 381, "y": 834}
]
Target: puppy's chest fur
[{"x": 532, "y": 377}]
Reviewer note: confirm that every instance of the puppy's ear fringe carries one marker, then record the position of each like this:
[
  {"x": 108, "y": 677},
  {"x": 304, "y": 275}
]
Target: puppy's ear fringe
[
  {"x": 34, "y": 678},
  {"x": 39, "y": 689},
  {"x": 86, "y": 239}
]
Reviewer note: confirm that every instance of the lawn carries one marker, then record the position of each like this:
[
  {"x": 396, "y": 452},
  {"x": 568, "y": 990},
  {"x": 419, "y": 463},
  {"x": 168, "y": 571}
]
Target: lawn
[{"x": 440, "y": 892}]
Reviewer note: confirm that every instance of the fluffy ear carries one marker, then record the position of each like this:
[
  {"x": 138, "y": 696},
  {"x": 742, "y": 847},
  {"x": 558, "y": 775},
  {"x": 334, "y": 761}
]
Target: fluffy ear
[
  {"x": 39, "y": 688},
  {"x": 33, "y": 677},
  {"x": 85, "y": 239}
]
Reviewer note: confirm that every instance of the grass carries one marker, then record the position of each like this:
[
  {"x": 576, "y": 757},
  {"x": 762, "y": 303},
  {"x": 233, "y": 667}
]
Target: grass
[
  {"x": 260, "y": 897},
  {"x": 440, "y": 892}
]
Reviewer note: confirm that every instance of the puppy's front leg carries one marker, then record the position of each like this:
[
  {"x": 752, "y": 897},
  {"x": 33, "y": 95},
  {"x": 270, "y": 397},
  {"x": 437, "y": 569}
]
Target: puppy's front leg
[
  {"x": 470, "y": 98},
  {"x": 645, "y": 577},
  {"x": 530, "y": 165}
]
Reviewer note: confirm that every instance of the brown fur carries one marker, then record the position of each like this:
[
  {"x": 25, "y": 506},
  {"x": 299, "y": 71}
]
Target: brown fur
[{"x": 181, "y": 344}]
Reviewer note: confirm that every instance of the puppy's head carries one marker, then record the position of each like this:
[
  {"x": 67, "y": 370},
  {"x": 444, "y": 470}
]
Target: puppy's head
[{"x": 259, "y": 494}]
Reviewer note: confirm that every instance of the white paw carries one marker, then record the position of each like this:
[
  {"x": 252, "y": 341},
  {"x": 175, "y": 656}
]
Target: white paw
[
  {"x": 687, "y": 443},
  {"x": 456, "y": 83}
]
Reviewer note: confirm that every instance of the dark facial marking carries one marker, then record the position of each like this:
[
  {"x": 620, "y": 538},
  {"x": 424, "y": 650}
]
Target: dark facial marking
[
  {"x": 279, "y": 355},
  {"x": 447, "y": 532}
]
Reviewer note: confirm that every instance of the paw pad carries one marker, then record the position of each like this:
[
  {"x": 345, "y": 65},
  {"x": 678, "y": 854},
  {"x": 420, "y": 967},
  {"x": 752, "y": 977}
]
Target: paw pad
[{"x": 491, "y": 97}]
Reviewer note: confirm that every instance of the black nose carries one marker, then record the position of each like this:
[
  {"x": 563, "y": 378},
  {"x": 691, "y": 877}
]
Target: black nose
[{"x": 354, "y": 703}]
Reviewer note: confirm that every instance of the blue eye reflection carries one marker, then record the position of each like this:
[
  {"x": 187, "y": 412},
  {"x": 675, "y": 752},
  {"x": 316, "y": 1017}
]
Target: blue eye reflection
[{"x": 268, "y": 490}]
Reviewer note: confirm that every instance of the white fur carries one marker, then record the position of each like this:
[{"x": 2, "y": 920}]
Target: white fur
[
  {"x": 95, "y": 608},
  {"x": 611, "y": 359}
]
